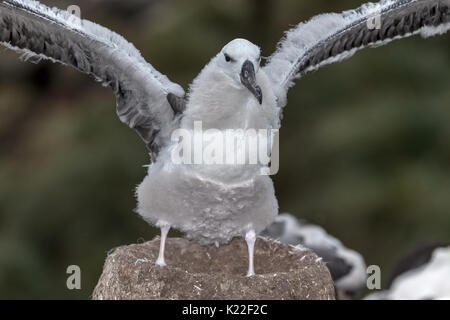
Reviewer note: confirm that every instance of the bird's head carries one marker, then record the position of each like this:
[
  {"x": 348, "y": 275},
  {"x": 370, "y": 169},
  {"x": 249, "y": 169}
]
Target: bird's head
[{"x": 239, "y": 60}]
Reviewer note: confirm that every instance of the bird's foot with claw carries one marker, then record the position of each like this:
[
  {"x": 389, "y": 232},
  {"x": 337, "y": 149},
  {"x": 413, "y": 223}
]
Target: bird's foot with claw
[
  {"x": 250, "y": 274},
  {"x": 160, "y": 262}
]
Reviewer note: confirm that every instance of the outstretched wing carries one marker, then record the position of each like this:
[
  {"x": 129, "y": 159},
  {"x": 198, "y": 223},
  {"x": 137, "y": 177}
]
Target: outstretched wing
[
  {"x": 141, "y": 91},
  {"x": 329, "y": 38}
]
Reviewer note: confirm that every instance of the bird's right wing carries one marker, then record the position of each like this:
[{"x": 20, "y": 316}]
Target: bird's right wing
[
  {"x": 332, "y": 37},
  {"x": 141, "y": 91}
]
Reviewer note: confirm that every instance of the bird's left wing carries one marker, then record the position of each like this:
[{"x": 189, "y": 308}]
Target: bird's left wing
[
  {"x": 332, "y": 37},
  {"x": 141, "y": 91}
]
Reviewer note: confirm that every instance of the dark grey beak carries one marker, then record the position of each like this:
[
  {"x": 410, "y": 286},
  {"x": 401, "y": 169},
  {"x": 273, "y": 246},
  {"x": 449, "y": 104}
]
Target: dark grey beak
[{"x": 248, "y": 79}]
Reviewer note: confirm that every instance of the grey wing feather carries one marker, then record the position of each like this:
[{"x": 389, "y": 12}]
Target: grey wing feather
[
  {"x": 332, "y": 37},
  {"x": 28, "y": 26},
  {"x": 338, "y": 267}
]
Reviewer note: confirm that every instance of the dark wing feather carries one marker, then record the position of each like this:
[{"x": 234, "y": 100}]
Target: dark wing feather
[
  {"x": 177, "y": 103},
  {"x": 36, "y": 30},
  {"x": 332, "y": 37}
]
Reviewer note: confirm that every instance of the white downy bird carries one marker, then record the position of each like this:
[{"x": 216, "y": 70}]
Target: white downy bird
[
  {"x": 423, "y": 274},
  {"x": 347, "y": 267},
  {"x": 210, "y": 203}
]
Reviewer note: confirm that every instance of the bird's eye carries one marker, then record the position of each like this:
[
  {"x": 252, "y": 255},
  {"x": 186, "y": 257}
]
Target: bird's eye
[{"x": 227, "y": 58}]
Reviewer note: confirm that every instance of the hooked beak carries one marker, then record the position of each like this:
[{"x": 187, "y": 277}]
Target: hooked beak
[{"x": 248, "y": 79}]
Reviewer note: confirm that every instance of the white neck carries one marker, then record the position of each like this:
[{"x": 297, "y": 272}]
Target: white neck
[{"x": 221, "y": 103}]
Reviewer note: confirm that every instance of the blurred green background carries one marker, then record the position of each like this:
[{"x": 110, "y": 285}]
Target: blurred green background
[{"x": 365, "y": 144}]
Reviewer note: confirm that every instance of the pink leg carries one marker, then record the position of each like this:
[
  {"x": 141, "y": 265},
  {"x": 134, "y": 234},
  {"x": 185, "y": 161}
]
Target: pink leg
[
  {"x": 164, "y": 231},
  {"x": 250, "y": 238}
]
